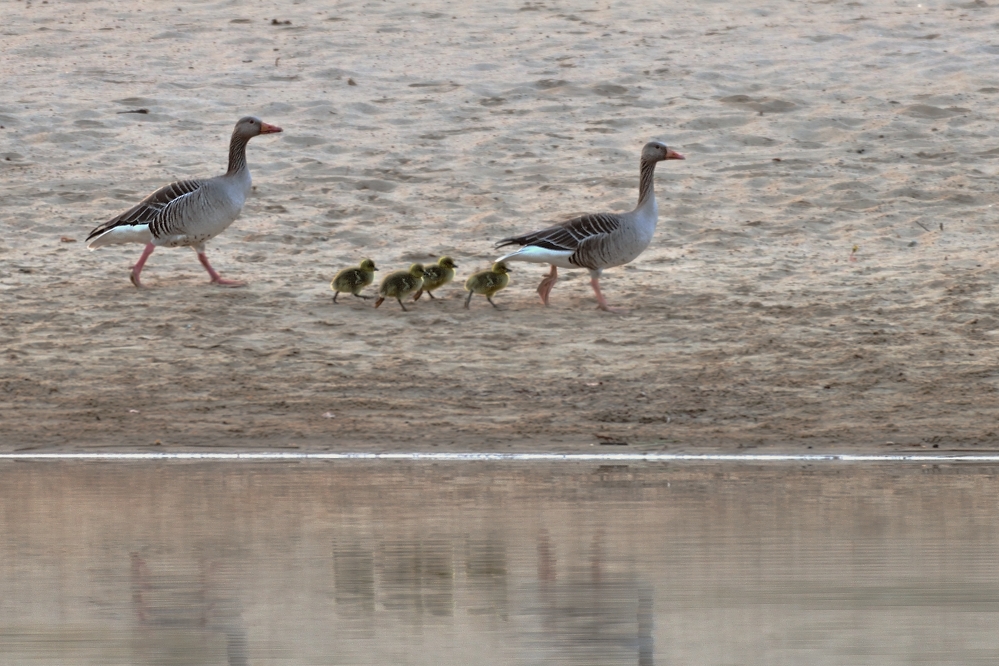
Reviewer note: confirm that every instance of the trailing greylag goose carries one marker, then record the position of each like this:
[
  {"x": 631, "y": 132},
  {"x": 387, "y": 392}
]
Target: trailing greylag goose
[
  {"x": 399, "y": 284},
  {"x": 353, "y": 280},
  {"x": 188, "y": 212},
  {"x": 487, "y": 282},
  {"x": 596, "y": 241},
  {"x": 436, "y": 276}
]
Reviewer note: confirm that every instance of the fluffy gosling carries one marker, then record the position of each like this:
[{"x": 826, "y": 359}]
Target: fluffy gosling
[
  {"x": 487, "y": 282},
  {"x": 353, "y": 280},
  {"x": 399, "y": 284},
  {"x": 436, "y": 276}
]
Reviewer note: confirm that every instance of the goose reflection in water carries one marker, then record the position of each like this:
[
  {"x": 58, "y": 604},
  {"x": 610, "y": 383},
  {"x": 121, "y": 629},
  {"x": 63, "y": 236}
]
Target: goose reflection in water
[
  {"x": 584, "y": 614},
  {"x": 181, "y": 615}
]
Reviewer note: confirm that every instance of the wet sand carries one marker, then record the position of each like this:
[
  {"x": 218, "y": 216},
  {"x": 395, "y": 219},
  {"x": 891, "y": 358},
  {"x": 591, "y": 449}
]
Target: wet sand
[{"x": 821, "y": 276}]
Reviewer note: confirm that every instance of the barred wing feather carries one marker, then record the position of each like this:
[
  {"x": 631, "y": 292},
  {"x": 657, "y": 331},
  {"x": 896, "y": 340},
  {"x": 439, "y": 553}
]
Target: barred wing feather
[
  {"x": 581, "y": 235},
  {"x": 568, "y": 235},
  {"x": 147, "y": 211}
]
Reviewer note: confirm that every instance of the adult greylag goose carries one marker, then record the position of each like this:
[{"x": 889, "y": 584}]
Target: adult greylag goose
[
  {"x": 596, "y": 241},
  {"x": 188, "y": 213}
]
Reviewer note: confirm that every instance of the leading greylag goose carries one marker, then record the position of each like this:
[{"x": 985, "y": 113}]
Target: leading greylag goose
[
  {"x": 596, "y": 241},
  {"x": 188, "y": 212}
]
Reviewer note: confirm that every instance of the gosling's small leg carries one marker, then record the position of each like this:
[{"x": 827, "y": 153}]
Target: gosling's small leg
[
  {"x": 357, "y": 296},
  {"x": 490, "y": 299},
  {"x": 401, "y": 305},
  {"x": 468, "y": 300},
  {"x": 379, "y": 302}
]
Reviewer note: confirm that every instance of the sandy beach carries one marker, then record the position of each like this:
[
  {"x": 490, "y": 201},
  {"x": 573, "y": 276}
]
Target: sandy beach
[{"x": 822, "y": 273}]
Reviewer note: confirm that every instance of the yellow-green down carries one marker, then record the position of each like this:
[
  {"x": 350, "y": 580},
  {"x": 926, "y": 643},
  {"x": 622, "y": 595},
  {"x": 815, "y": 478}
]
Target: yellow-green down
[
  {"x": 353, "y": 280},
  {"x": 400, "y": 284},
  {"x": 436, "y": 276},
  {"x": 487, "y": 282}
]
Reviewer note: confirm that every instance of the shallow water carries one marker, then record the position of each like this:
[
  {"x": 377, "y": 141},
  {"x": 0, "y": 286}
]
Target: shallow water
[{"x": 423, "y": 563}]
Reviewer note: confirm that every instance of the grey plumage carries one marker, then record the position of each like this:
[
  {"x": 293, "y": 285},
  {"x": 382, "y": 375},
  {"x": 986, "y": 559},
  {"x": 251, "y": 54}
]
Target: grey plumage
[
  {"x": 587, "y": 237},
  {"x": 596, "y": 241},
  {"x": 149, "y": 210},
  {"x": 187, "y": 213}
]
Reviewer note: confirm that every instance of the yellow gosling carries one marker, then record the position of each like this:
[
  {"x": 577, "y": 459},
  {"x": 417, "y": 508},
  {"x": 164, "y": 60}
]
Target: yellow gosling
[
  {"x": 487, "y": 282},
  {"x": 399, "y": 284},
  {"x": 436, "y": 276},
  {"x": 353, "y": 280}
]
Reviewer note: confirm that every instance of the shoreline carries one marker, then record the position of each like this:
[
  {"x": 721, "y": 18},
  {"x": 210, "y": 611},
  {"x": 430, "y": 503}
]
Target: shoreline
[{"x": 470, "y": 457}]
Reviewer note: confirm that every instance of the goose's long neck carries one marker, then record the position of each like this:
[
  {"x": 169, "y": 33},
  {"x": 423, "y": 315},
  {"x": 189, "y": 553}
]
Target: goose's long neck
[
  {"x": 237, "y": 154},
  {"x": 646, "y": 182}
]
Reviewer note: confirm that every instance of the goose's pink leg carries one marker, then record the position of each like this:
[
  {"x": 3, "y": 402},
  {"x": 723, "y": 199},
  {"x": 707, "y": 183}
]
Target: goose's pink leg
[
  {"x": 137, "y": 268},
  {"x": 216, "y": 278},
  {"x": 547, "y": 283},
  {"x": 595, "y": 283}
]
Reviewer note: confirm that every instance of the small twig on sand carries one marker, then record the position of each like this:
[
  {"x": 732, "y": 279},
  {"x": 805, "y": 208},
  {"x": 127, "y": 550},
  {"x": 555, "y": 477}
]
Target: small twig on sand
[{"x": 922, "y": 225}]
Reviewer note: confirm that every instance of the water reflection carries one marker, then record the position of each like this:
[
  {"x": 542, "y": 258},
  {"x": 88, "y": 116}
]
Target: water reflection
[
  {"x": 435, "y": 564},
  {"x": 184, "y": 607}
]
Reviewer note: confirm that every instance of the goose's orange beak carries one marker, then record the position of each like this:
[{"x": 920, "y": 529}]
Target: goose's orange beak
[
  {"x": 670, "y": 154},
  {"x": 269, "y": 129}
]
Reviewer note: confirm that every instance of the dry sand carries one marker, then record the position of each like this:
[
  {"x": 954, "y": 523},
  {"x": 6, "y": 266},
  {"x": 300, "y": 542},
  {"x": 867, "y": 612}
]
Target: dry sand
[{"x": 417, "y": 129}]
